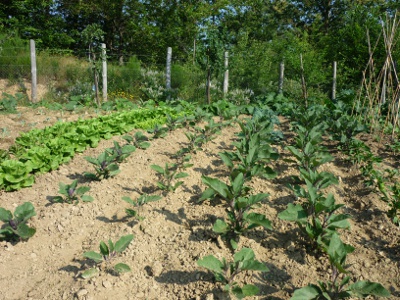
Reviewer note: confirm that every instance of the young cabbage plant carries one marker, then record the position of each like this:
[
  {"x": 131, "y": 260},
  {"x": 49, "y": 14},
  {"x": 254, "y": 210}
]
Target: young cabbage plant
[
  {"x": 72, "y": 193},
  {"x": 158, "y": 132},
  {"x": 104, "y": 165},
  {"x": 15, "y": 227},
  {"x": 172, "y": 123},
  {"x": 139, "y": 140},
  {"x": 169, "y": 176},
  {"x": 120, "y": 153},
  {"x": 225, "y": 272},
  {"x": 104, "y": 259},
  {"x": 316, "y": 217},
  {"x": 138, "y": 203},
  {"x": 238, "y": 205},
  {"x": 339, "y": 286}
]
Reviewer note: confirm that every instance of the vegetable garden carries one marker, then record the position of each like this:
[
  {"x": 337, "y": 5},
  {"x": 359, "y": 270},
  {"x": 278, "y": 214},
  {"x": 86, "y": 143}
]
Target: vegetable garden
[{"x": 270, "y": 200}]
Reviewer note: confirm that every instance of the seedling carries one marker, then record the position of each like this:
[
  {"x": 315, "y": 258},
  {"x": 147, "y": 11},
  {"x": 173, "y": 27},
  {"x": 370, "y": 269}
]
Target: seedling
[
  {"x": 339, "y": 286},
  {"x": 104, "y": 165},
  {"x": 168, "y": 175},
  {"x": 225, "y": 272},
  {"x": 158, "y": 132},
  {"x": 172, "y": 123},
  {"x": 139, "y": 140},
  {"x": 120, "y": 153},
  {"x": 15, "y": 227},
  {"x": 139, "y": 202},
  {"x": 390, "y": 189},
  {"x": 72, "y": 193},
  {"x": 238, "y": 205},
  {"x": 107, "y": 254}
]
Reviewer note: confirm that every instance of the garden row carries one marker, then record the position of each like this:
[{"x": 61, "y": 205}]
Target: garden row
[{"x": 316, "y": 213}]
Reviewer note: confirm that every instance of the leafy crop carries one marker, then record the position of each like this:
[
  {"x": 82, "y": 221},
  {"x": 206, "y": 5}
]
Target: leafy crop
[
  {"x": 339, "y": 286},
  {"x": 224, "y": 272},
  {"x": 238, "y": 206},
  {"x": 308, "y": 149},
  {"x": 15, "y": 227},
  {"x": 168, "y": 176},
  {"x": 317, "y": 216},
  {"x": 120, "y": 153},
  {"x": 106, "y": 256},
  {"x": 139, "y": 140},
  {"x": 72, "y": 193},
  {"x": 139, "y": 202},
  {"x": 104, "y": 165},
  {"x": 15, "y": 175},
  {"x": 158, "y": 131}
]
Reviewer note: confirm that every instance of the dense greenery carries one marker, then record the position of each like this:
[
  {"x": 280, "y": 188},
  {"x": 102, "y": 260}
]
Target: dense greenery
[{"x": 257, "y": 34}]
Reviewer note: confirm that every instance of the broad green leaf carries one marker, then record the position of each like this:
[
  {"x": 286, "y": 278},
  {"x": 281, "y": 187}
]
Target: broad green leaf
[
  {"x": 237, "y": 184},
  {"x": 309, "y": 292},
  {"x": 89, "y": 273},
  {"x": 111, "y": 246},
  {"x": 366, "y": 288},
  {"x": 104, "y": 249},
  {"x": 259, "y": 220},
  {"x": 5, "y": 215},
  {"x": 24, "y": 231},
  {"x": 253, "y": 199},
  {"x": 82, "y": 189},
  {"x": 158, "y": 169},
  {"x": 250, "y": 290},
  {"x": 181, "y": 175},
  {"x": 122, "y": 268},
  {"x": 123, "y": 242},
  {"x": 218, "y": 186},
  {"x": 220, "y": 227},
  {"x": 24, "y": 212},
  {"x": 87, "y": 198},
  {"x": 244, "y": 254},
  {"x": 211, "y": 263},
  {"x": 293, "y": 213},
  {"x": 225, "y": 157},
  {"x": 129, "y": 200},
  {"x": 97, "y": 257},
  {"x": 253, "y": 265}
]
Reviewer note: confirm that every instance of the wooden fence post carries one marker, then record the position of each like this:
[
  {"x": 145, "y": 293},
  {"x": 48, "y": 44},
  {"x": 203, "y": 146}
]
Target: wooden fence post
[
  {"x": 33, "y": 71},
  {"x": 281, "y": 77},
  {"x": 303, "y": 81},
  {"x": 334, "y": 81},
  {"x": 226, "y": 75},
  {"x": 104, "y": 70},
  {"x": 168, "y": 70}
]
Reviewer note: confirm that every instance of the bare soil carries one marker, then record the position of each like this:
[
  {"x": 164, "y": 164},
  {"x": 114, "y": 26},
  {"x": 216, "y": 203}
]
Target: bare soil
[{"x": 177, "y": 231}]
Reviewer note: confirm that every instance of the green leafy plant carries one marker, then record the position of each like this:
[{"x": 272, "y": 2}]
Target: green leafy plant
[
  {"x": 15, "y": 175},
  {"x": 120, "y": 153},
  {"x": 251, "y": 158},
  {"x": 339, "y": 286},
  {"x": 107, "y": 255},
  {"x": 225, "y": 272},
  {"x": 238, "y": 205},
  {"x": 8, "y": 103},
  {"x": 158, "y": 132},
  {"x": 390, "y": 190},
  {"x": 15, "y": 227},
  {"x": 138, "y": 203},
  {"x": 168, "y": 176},
  {"x": 316, "y": 217},
  {"x": 139, "y": 140},
  {"x": 72, "y": 193},
  {"x": 104, "y": 165}
]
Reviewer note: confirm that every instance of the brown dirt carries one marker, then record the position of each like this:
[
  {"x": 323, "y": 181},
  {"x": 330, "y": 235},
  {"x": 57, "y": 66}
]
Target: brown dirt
[{"x": 176, "y": 231}]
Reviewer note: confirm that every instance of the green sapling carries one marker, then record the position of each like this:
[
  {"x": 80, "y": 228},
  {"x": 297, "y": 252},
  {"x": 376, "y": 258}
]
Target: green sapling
[
  {"x": 72, "y": 193},
  {"x": 15, "y": 228}
]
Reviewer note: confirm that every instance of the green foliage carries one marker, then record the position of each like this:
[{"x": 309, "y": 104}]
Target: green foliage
[
  {"x": 308, "y": 149},
  {"x": 390, "y": 190},
  {"x": 8, "y": 103},
  {"x": 15, "y": 175},
  {"x": 158, "y": 131},
  {"x": 339, "y": 287},
  {"x": 15, "y": 227},
  {"x": 225, "y": 272},
  {"x": 139, "y": 140},
  {"x": 238, "y": 205},
  {"x": 72, "y": 193},
  {"x": 120, "y": 153},
  {"x": 169, "y": 176},
  {"x": 139, "y": 202},
  {"x": 107, "y": 254},
  {"x": 104, "y": 165},
  {"x": 317, "y": 216}
]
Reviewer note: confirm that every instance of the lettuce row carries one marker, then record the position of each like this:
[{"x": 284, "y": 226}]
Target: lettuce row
[{"x": 44, "y": 150}]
